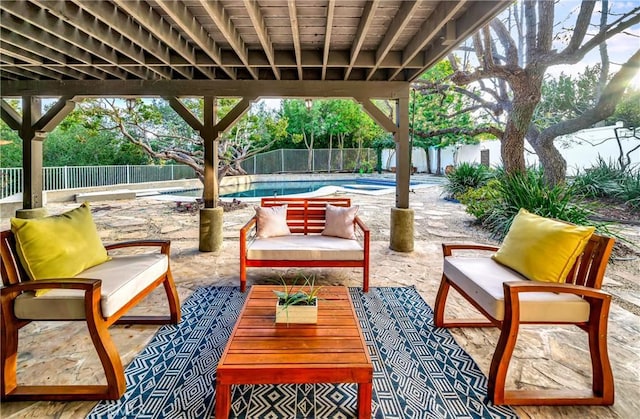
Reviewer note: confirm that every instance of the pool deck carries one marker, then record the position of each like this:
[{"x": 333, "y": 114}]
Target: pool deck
[{"x": 551, "y": 357}]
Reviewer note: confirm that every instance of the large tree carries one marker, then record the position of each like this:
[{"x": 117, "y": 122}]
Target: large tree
[
  {"x": 163, "y": 135},
  {"x": 512, "y": 56}
]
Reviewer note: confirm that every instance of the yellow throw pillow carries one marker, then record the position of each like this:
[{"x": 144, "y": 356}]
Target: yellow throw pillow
[
  {"x": 542, "y": 249},
  {"x": 60, "y": 246}
]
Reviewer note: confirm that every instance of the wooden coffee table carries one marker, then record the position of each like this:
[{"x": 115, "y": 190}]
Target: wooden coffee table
[{"x": 262, "y": 352}]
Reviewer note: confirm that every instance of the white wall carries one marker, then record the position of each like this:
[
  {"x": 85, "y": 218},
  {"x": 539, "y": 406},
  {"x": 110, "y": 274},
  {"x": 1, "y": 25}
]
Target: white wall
[{"x": 580, "y": 150}]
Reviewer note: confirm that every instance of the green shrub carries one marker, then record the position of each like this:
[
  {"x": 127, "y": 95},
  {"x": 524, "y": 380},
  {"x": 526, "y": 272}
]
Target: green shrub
[
  {"x": 481, "y": 200},
  {"x": 529, "y": 191},
  {"x": 630, "y": 190},
  {"x": 466, "y": 176},
  {"x": 605, "y": 179}
]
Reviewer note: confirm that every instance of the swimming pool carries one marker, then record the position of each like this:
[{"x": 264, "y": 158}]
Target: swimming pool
[
  {"x": 282, "y": 188},
  {"x": 295, "y": 187}
]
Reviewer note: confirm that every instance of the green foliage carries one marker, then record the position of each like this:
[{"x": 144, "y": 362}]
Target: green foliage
[
  {"x": 530, "y": 191},
  {"x": 366, "y": 167},
  {"x": 10, "y": 147},
  {"x": 610, "y": 180},
  {"x": 567, "y": 96},
  {"x": 74, "y": 144},
  {"x": 628, "y": 109},
  {"x": 306, "y": 294},
  {"x": 480, "y": 201},
  {"x": 602, "y": 180},
  {"x": 466, "y": 176},
  {"x": 630, "y": 191},
  {"x": 434, "y": 107}
]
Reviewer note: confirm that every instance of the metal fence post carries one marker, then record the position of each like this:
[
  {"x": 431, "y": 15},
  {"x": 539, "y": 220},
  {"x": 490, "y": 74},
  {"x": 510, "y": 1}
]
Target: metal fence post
[
  {"x": 282, "y": 159},
  {"x": 128, "y": 175}
]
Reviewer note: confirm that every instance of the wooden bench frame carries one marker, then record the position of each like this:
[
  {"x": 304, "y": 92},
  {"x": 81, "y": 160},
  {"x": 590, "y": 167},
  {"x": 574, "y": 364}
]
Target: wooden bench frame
[
  {"x": 305, "y": 216},
  {"x": 15, "y": 281},
  {"x": 585, "y": 280}
]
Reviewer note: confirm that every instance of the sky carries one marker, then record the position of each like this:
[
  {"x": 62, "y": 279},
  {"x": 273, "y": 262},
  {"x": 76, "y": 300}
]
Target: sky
[{"x": 620, "y": 47}]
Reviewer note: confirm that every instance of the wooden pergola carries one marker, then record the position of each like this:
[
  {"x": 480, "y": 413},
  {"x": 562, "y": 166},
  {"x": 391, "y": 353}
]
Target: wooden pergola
[{"x": 360, "y": 49}]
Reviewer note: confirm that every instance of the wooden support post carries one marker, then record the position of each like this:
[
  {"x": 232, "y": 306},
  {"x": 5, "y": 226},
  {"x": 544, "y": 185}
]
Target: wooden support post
[
  {"x": 403, "y": 153},
  {"x": 31, "y": 153},
  {"x": 32, "y": 128},
  {"x": 210, "y": 129}
]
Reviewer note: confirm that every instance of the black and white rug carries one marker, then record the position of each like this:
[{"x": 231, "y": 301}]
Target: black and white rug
[{"x": 419, "y": 370}]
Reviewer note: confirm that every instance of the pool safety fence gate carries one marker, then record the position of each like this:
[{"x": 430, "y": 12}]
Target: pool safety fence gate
[
  {"x": 69, "y": 177},
  {"x": 315, "y": 160}
]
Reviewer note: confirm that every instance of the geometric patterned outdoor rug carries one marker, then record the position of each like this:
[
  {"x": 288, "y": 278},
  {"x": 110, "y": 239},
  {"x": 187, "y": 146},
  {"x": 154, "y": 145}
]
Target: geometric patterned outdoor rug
[{"x": 419, "y": 370}]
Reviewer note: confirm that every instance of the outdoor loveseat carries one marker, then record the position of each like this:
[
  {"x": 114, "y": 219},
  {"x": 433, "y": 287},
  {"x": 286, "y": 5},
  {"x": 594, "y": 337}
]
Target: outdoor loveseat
[{"x": 305, "y": 232}]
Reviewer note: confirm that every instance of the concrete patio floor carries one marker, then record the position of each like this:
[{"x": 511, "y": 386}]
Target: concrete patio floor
[{"x": 548, "y": 357}]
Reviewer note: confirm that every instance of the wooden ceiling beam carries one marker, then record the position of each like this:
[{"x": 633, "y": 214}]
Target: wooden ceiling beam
[
  {"x": 32, "y": 60},
  {"x": 10, "y": 116},
  {"x": 295, "y": 34},
  {"x": 55, "y": 114},
  {"x": 223, "y": 22},
  {"x": 39, "y": 52},
  {"x": 19, "y": 54},
  {"x": 161, "y": 29},
  {"x": 10, "y": 65},
  {"x": 221, "y": 88},
  {"x": 366, "y": 20},
  {"x": 398, "y": 24},
  {"x": 444, "y": 13},
  {"x": 95, "y": 29},
  {"x": 257, "y": 19},
  {"x": 190, "y": 25},
  {"x": 111, "y": 16},
  {"x": 327, "y": 36},
  {"x": 55, "y": 35}
]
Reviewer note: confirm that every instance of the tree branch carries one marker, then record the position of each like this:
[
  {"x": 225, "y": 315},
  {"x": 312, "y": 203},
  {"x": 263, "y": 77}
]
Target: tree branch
[
  {"x": 545, "y": 24},
  {"x": 569, "y": 56},
  {"x": 605, "y": 106},
  {"x": 496, "y": 132},
  {"x": 530, "y": 25},
  {"x": 509, "y": 45}
]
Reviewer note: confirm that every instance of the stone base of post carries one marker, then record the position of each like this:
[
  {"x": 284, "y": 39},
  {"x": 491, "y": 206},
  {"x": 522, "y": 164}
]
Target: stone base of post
[
  {"x": 401, "y": 230},
  {"x": 31, "y": 213},
  {"x": 210, "y": 229}
]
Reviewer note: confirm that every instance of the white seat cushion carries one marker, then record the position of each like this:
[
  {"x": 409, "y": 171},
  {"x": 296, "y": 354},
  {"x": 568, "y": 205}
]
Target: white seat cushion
[
  {"x": 482, "y": 278},
  {"x": 305, "y": 247},
  {"x": 123, "y": 277}
]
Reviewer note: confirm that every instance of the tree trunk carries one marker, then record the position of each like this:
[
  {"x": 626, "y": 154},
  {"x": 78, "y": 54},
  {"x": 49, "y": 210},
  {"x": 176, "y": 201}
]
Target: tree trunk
[
  {"x": 552, "y": 162},
  {"x": 527, "y": 91},
  {"x": 426, "y": 150},
  {"x": 329, "y": 158},
  {"x": 439, "y": 161}
]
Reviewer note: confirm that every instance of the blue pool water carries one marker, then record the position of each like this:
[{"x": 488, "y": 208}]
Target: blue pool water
[{"x": 260, "y": 189}]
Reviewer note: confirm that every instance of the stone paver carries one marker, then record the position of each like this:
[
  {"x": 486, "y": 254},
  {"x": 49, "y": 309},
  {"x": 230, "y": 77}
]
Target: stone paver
[{"x": 549, "y": 357}]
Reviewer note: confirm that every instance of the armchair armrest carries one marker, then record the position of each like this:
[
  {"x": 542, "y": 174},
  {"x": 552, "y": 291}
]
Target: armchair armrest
[
  {"x": 164, "y": 245},
  {"x": 57, "y": 283},
  {"x": 245, "y": 229},
  {"x": 512, "y": 289},
  {"x": 358, "y": 221},
  {"x": 447, "y": 248}
]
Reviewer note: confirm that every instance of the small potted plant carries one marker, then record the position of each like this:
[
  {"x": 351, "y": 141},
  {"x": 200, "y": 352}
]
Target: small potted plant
[{"x": 297, "y": 304}]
